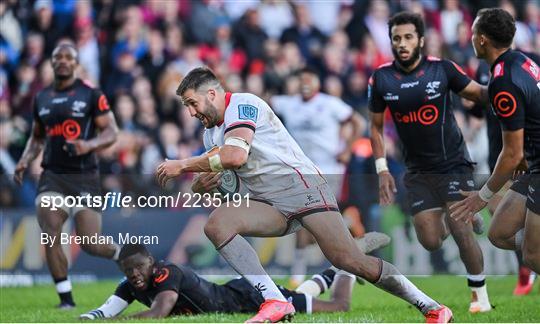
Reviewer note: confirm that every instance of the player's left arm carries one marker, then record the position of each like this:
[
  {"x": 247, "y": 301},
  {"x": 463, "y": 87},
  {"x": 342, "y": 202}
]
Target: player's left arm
[
  {"x": 161, "y": 307},
  {"x": 105, "y": 124}
]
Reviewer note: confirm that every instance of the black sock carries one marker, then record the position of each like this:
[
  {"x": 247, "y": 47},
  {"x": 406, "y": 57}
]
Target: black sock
[
  {"x": 328, "y": 276},
  {"x": 519, "y": 257},
  {"x": 65, "y": 297},
  {"x": 476, "y": 284}
]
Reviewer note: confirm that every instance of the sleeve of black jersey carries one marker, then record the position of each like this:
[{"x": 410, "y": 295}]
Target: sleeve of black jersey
[
  {"x": 124, "y": 292},
  {"x": 376, "y": 102},
  {"x": 169, "y": 278},
  {"x": 507, "y": 101},
  {"x": 100, "y": 104},
  {"x": 457, "y": 78}
]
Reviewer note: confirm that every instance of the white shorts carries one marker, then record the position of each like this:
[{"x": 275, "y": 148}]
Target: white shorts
[{"x": 298, "y": 202}]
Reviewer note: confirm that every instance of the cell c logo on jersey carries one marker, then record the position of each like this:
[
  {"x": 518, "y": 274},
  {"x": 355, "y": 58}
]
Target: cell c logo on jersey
[
  {"x": 71, "y": 129},
  {"x": 428, "y": 114},
  {"x": 505, "y": 104}
]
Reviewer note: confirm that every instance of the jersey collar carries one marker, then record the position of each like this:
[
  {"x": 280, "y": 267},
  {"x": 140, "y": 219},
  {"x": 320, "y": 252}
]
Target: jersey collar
[
  {"x": 499, "y": 59},
  {"x": 419, "y": 66},
  {"x": 227, "y": 102}
]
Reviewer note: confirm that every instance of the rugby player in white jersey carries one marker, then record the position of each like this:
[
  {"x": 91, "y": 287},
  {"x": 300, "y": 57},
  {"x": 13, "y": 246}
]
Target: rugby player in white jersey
[
  {"x": 286, "y": 192},
  {"x": 325, "y": 128}
]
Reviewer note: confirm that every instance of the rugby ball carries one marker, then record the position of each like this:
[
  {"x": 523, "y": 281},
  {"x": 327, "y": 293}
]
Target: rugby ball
[{"x": 230, "y": 183}]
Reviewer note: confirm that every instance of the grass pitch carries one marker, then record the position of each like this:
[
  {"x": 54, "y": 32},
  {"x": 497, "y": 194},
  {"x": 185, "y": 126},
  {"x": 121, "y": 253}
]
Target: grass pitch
[{"x": 369, "y": 304}]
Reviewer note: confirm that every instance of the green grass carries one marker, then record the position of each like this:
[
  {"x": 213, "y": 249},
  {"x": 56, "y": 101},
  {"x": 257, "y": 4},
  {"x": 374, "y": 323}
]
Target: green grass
[{"x": 36, "y": 304}]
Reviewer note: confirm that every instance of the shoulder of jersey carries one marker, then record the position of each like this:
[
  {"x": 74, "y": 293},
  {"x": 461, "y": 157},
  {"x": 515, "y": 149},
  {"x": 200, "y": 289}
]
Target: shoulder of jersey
[{"x": 384, "y": 65}]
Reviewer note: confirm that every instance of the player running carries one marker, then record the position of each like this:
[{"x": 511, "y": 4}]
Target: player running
[
  {"x": 517, "y": 190},
  {"x": 514, "y": 89},
  {"x": 286, "y": 192},
  {"x": 317, "y": 121},
  {"x": 416, "y": 91},
  {"x": 71, "y": 121},
  {"x": 170, "y": 290}
]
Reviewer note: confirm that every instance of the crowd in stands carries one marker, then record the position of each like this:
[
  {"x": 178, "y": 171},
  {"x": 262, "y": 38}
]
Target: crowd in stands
[{"x": 138, "y": 51}]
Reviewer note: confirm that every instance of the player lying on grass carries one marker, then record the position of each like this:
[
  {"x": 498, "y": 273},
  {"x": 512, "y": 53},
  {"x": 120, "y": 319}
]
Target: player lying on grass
[{"x": 176, "y": 290}]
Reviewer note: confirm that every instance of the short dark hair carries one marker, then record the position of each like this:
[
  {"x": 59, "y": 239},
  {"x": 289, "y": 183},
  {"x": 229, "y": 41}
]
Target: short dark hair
[
  {"x": 309, "y": 70},
  {"x": 405, "y": 17},
  {"x": 132, "y": 249},
  {"x": 195, "y": 79},
  {"x": 498, "y": 25}
]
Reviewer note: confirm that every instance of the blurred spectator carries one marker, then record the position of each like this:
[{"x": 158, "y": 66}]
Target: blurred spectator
[
  {"x": 44, "y": 24},
  {"x": 451, "y": 17},
  {"x": 250, "y": 36},
  {"x": 309, "y": 39},
  {"x": 154, "y": 62},
  {"x": 205, "y": 14},
  {"x": 376, "y": 22},
  {"x": 328, "y": 14},
  {"x": 34, "y": 48},
  {"x": 523, "y": 34},
  {"x": 86, "y": 41},
  {"x": 461, "y": 51},
  {"x": 174, "y": 41},
  {"x": 130, "y": 39},
  {"x": 11, "y": 29},
  {"x": 275, "y": 16}
]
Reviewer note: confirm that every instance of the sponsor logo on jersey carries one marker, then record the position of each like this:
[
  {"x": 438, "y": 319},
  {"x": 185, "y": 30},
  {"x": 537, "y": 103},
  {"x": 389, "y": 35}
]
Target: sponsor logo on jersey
[
  {"x": 532, "y": 69},
  {"x": 426, "y": 116},
  {"x": 432, "y": 87},
  {"x": 77, "y": 107},
  {"x": 248, "y": 112},
  {"x": 498, "y": 70},
  {"x": 69, "y": 129},
  {"x": 409, "y": 84},
  {"x": 390, "y": 97},
  {"x": 505, "y": 104},
  {"x": 59, "y": 100},
  {"x": 44, "y": 111}
]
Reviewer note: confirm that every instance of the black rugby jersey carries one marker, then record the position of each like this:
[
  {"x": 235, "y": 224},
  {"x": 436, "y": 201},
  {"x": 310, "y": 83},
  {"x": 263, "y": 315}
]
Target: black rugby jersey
[
  {"x": 69, "y": 115},
  {"x": 195, "y": 295},
  {"x": 421, "y": 107},
  {"x": 514, "y": 93}
]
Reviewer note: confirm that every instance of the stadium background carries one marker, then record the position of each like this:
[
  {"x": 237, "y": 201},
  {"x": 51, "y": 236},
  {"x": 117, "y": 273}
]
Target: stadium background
[{"x": 138, "y": 51}]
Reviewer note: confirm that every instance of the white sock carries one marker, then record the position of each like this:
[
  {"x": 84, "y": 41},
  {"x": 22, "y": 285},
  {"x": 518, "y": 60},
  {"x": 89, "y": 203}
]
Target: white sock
[
  {"x": 394, "y": 282},
  {"x": 63, "y": 286},
  {"x": 310, "y": 287},
  {"x": 243, "y": 258},
  {"x": 519, "y": 239},
  {"x": 481, "y": 293},
  {"x": 299, "y": 267}
]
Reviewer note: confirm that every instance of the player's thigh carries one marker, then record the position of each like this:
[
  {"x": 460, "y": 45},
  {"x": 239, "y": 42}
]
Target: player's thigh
[
  {"x": 430, "y": 227},
  {"x": 87, "y": 222},
  {"x": 251, "y": 218},
  {"x": 509, "y": 217},
  {"x": 51, "y": 219},
  {"x": 336, "y": 242}
]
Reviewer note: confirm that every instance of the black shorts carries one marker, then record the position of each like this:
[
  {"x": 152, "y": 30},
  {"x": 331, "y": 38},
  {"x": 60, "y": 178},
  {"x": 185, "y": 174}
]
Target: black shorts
[
  {"x": 74, "y": 185},
  {"x": 249, "y": 300},
  {"x": 429, "y": 191},
  {"x": 521, "y": 184},
  {"x": 529, "y": 185}
]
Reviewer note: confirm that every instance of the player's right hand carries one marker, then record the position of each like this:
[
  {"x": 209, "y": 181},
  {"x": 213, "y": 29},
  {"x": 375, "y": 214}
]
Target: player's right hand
[
  {"x": 19, "y": 172},
  {"x": 387, "y": 188},
  {"x": 206, "y": 182}
]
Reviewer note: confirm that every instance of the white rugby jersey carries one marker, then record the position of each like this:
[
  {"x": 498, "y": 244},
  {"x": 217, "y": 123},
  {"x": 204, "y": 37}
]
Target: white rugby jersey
[
  {"x": 315, "y": 124},
  {"x": 275, "y": 161}
]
